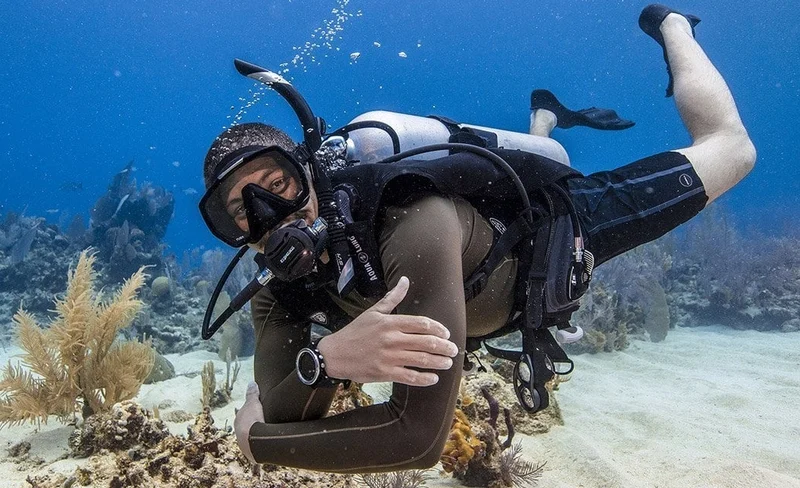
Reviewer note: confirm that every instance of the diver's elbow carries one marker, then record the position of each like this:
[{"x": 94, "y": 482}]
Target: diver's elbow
[
  {"x": 427, "y": 450},
  {"x": 426, "y": 461}
]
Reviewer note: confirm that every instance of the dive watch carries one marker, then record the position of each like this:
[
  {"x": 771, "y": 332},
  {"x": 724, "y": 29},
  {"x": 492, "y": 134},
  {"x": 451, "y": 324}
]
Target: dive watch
[{"x": 311, "y": 367}]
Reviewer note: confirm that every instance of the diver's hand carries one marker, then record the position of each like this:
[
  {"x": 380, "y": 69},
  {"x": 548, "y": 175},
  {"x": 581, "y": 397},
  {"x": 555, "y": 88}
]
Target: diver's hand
[
  {"x": 378, "y": 346},
  {"x": 250, "y": 413}
]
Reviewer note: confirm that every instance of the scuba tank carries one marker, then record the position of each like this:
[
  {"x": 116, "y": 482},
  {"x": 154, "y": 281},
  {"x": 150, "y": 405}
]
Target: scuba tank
[{"x": 377, "y": 135}]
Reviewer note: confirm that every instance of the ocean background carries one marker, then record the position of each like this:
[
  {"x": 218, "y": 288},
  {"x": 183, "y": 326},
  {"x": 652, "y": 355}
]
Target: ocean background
[{"x": 89, "y": 86}]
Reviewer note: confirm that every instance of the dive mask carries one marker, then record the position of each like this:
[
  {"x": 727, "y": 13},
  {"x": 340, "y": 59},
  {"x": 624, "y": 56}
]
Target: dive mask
[{"x": 256, "y": 188}]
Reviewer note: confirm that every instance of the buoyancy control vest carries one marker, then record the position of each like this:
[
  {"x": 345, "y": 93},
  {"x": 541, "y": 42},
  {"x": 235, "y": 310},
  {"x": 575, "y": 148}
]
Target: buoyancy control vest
[{"x": 543, "y": 298}]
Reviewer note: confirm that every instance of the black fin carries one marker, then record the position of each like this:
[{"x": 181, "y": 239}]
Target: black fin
[{"x": 595, "y": 118}]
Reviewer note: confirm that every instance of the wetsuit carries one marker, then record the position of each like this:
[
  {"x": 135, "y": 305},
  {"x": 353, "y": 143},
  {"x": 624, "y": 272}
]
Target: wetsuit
[{"x": 436, "y": 241}]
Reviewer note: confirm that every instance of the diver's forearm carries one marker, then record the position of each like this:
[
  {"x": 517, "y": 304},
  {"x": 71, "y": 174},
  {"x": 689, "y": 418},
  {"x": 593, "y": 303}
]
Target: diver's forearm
[
  {"x": 406, "y": 432},
  {"x": 292, "y": 401}
]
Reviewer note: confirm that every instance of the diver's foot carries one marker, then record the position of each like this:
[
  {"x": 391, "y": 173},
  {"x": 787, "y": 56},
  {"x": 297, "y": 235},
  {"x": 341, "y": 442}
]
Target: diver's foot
[
  {"x": 650, "y": 22},
  {"x": 595, "y": 118}
]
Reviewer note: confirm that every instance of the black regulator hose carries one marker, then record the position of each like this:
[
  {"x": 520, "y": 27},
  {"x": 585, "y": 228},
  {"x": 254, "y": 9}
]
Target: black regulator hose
[
  {"x": 338, "y": 249},
  {"x": 208, "y": 331},
  {"x": 370, "y": 124}
]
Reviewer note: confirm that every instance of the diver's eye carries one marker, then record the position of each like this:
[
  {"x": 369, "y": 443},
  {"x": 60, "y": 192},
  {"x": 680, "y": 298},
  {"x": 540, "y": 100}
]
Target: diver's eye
[
  {"x": 239, "y": 212},
  {"x": 278, "y": 185}
]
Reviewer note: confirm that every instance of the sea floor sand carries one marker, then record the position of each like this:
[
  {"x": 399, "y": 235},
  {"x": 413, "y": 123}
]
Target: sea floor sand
[{"x": 709, "y": 407}]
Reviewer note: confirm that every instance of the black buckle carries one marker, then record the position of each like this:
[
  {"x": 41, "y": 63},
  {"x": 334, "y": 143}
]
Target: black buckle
[
  {"x": 301, "y": 153},
  {"x": 474, "y": 286},
  {"x": 467, "y": 136},
  {"x": 578, "y": 281}
]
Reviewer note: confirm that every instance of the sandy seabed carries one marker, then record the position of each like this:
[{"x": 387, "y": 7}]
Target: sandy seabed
[{"x": 708, "y": 407}]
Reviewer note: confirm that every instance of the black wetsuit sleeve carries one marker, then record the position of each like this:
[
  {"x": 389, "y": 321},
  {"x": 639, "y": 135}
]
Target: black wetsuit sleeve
[
  {"x": 279, "y": 336},
  {"x": 423, "y": 241}
]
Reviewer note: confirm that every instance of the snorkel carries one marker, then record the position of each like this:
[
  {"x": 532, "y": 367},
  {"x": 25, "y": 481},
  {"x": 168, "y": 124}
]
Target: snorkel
[
  {"x": 313, "y": 128},
  {"x": 292, "y": 251}
]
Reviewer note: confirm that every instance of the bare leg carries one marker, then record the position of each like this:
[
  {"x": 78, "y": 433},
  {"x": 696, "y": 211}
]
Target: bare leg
[
  {"x": 721, "y": 151},
  {"x": 542, "y": 122}
]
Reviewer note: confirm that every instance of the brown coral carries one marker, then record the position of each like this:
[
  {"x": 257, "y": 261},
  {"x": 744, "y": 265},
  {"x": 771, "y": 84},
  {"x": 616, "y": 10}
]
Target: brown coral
[
  {"x": 127, "y": 425},
  {"x": 498, "y": 381},
  {"x": 462, "y": 445},
  {"x": 76, "y": 360},
  {"x": 349, "y": 398}
]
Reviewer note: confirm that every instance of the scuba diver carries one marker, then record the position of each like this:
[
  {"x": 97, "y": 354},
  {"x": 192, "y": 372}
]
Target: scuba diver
[{"x": 412, "y": 251}]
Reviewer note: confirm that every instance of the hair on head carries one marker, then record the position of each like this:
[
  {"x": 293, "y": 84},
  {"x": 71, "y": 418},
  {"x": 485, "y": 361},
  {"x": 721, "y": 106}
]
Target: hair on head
[{"x": 239, "y": 136}]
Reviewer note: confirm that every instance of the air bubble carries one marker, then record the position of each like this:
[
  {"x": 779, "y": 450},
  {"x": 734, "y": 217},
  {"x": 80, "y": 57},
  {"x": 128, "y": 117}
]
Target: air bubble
[{"x": 322, "y": 37}]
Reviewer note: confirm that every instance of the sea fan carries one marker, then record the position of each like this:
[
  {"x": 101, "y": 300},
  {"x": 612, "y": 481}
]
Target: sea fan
[
  {"x": 517, "y": 472},
  {"x": 76, "y": 360},
  {"x": 413, "y": 478}
]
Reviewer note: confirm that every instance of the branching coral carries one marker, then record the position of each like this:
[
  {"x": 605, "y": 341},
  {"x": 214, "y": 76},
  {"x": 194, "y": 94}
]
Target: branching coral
[
  {"x": 76, "y": 360},
  {"x": 213, "y": 397},
  {"x": 515, "y": 471},
  {"x": 494, "y": 413}
]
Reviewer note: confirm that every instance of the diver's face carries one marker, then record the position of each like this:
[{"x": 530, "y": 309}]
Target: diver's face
[{"x": 273, "y": 177}]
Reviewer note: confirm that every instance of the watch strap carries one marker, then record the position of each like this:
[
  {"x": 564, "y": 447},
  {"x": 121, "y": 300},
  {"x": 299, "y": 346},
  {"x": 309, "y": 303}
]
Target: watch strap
[{"x": 322, "y": 379}]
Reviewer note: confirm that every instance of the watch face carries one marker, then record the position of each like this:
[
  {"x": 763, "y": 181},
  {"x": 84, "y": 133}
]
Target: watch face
[{"x": 307, "y": 366}]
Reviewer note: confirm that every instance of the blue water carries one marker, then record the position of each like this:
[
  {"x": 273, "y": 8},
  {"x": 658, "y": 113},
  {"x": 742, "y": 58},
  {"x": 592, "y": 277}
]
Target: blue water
[{"x": 88, "y": 86}]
